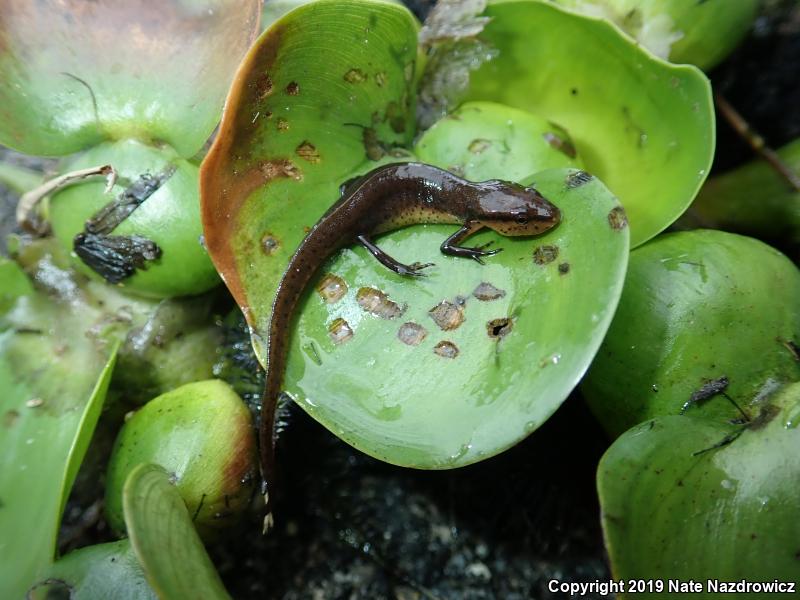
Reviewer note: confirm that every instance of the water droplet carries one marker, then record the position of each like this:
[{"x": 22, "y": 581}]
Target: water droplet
[{"x": 793, "y": 418}]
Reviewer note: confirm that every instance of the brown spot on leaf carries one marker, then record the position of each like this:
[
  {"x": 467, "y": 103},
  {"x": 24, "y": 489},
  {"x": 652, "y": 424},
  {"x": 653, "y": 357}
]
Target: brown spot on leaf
[
  {"x": 792, "y": 347},
  {"x": 412, "y": 334},
  {"x": 332, "y": 288},
  {"x": 274, "y": 169},
  {"x": 10, "y": 418},
  {"x": 478, "y": 145},
  {"x": 355, "y": 76},
  {"x": 563, "y": 268},
  {"x": 446, "y": 349},
  {"x": 617, "y": 218},
  {"x": 282, "y": 124},
  {"x": 269, "y": 243},
  {"x": 447, "y": 316},
  {"x": 543, "y": 255},
  {"x": 499, "y": 328},
  {"x": 486, "y": 292},
  {"x": 307, "y": 151},
  {"x": 377, "y": 303},
  {"x": 340, "y": 331},
  {"x": 293, "y": 88},
  {"x": 263, "y": 87},
  {"x": 373, "y": 147},
  {"x": 396, "y": 117}
]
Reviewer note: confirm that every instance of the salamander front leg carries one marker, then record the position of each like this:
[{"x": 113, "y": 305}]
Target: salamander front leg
[
  {"x": 413, "y": 270},
  {"x": 451, "y": 245}
]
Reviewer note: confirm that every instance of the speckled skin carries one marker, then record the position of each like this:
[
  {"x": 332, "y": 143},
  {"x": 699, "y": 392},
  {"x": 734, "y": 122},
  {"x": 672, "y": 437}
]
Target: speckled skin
[{"x": 385, "y": 199}]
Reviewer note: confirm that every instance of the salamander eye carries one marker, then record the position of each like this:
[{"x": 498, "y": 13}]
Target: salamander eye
[{"x": 521, "y": 219}]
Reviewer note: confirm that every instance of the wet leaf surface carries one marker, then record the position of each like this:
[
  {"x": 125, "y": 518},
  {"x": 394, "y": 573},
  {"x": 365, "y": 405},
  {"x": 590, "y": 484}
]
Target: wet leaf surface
[
  {"x": 97, "y": 572},
  {"x": 697, "y": 306},
  {"x": 674, "y": 508},
  {"x": 462, "y": 393}
]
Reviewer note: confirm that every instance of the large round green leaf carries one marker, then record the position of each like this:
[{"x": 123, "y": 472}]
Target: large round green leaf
[
  {"x": 643, "y": 126},
  {"x": 674, "y": 507},
  {"x": 433, "y": 391},
  {"x": 697, "y": 306},
  {"x": 465, "y": 391},
  {"x": 74, "y": 73}
]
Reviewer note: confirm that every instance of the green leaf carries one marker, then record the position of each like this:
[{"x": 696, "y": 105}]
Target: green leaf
[
  {"x": 697, "y": 306},
  {"x": 728, "y": 514},
  {"x": 322, "y": 87},
  {"x": 700, "y": 33},
  {"x": 19, "y": 179},
  {"x": 164, "y": 538},
  {"x": 753, "y": 199},
  {"x": 643, "y": 126},
  {"x": 54, "y": 379},
  {"x": 97, "y": 572},
  {"x": 481, "y": 138},
  {"x": 75, "y": 74},
  {"x": 170, "y": 217},
  {"x": 407, "y": 405},
  {"x": 13, "y": 284}
]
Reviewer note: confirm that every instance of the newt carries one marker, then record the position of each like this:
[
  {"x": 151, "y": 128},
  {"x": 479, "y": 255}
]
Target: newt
[{"x": 388, "y": 198}]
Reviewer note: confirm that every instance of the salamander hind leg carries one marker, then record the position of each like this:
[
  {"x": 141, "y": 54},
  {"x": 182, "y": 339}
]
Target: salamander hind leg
[
  {"x": 412, "y": 270},
  {"x": 452, "y": 245}
]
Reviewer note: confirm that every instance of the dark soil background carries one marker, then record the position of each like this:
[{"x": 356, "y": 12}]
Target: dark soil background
[{"x": 350, "y": 527}]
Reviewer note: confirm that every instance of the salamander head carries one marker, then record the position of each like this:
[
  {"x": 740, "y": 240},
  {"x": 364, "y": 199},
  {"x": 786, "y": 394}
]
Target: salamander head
[{"x": 512, "y": 209}]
